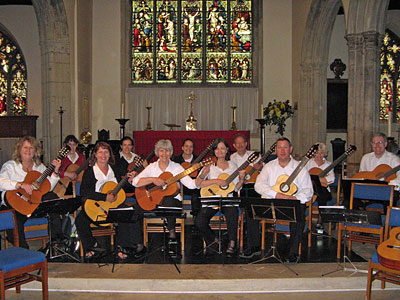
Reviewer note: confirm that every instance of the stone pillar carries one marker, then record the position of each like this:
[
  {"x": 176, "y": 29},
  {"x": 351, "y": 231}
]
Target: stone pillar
[{"x": 363, "y": 98}]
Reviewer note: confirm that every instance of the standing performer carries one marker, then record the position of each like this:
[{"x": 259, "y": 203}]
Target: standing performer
[
  {"x": 102, "y": 171},
  {"x": 284, "y": 164},
  {"x": 26, "y": 158},
  {"x": 211, "y": 173}
]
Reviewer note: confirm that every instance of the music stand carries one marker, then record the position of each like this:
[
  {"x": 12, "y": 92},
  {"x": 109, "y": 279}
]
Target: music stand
[
  {"x": 341, "y": 214},
  {"x": 219, "y": 202},
  {"x": 57, "y": 206},
  {"x": 273, "y": 210}
]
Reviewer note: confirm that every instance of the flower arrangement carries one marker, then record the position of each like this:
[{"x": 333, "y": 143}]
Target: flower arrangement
[{"x": 276, "y": 113}]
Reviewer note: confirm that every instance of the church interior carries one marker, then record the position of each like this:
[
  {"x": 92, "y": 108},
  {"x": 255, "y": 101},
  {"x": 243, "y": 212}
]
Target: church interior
[{"x": 174, "y": 69}]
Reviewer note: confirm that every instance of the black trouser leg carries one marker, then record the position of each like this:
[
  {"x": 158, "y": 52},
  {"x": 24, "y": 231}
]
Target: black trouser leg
[
  {"x": 231, "y": 215},
  {"x": 171, "y": 202},
  {"x": 202, "y": 222},
  {"x": 253, "y": 233},
  {"x": 82, "y": 223},
  {"x": 296, "y": 230}
]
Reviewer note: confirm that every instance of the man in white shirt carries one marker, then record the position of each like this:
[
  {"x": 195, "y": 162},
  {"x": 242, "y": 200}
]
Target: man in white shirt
[{"x": 284, "y": 164}]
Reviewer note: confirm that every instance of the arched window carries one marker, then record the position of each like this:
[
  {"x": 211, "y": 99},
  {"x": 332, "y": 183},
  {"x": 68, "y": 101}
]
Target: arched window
[
  {"x": 192, "y": 41},
  {"x": 389, "y": 82},
  {"x": 13, "y": 77}
]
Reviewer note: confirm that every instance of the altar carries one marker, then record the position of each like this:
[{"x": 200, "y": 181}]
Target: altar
[{"x": 145, "y": 140}]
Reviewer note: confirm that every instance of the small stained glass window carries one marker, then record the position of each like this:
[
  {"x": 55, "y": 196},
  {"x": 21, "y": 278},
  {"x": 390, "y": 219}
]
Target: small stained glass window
[
  {"x": 192, "y": 41},
  {"x": 13, "y": 79}
]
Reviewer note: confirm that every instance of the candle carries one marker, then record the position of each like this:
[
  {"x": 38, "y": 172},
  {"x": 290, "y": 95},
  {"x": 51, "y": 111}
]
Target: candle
[
  {"x": 262, "y": 111},
  {"x": 390, "y": 124},
  {"x": 234, "y": 101},
  {"x": 123, "y": 110},
  {"x": 148, "y": 103}
]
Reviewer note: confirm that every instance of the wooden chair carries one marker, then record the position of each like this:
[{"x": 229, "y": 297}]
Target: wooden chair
[
  {"x": 367, "y": 191},
  {"x": 97, "y": 231},
  {"x": 16, "y": 264},
  {"x": 349, "y": 169},
  {"x": 375, "y": 269}
]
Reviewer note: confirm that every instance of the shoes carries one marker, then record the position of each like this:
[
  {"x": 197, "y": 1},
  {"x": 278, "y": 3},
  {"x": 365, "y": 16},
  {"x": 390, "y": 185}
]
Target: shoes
[
  {"x": 250, "y": 252},
  {"x": 231, "y": 250},
  {"x": 173, "y": 246},
  {"x": 320, "y": 228},
  {"x": 140, "y": 253},
  {"x": 292, "y": 259}
]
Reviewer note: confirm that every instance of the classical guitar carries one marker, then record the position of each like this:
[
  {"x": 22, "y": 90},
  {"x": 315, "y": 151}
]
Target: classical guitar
[
  {"x": 199, "y": 158},
  {"x": 26, "y": 204},
  {"x": 149, "y": 196},
  {"x": 251, "y": 171},
  {"x": 285, "y": 184},
  {"x": 141, "y": 167},
  {"x": 62, "y": 184},
  {"x": 389, "y": 250},
  {"x": 97, "y": 210},
  {"x": 383, "y": 171},
  {"x": 323, "y": 173},
  {"x": 215, "y": 189}
]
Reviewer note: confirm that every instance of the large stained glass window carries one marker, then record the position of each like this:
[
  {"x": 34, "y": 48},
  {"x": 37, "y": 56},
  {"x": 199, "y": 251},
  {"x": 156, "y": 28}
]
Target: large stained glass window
[
  {"x": 13, "y": 84},
  {"x": 192, "y": 41},
  {"x": 389, "y": 82}
]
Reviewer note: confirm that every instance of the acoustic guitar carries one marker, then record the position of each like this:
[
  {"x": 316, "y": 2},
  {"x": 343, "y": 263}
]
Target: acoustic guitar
[
  {"x": 149, "y": 196},
  {"x": 251, "y": 171},
  {"x": 62, "y": 184},
  {"x": 26, "y": 204},
  {"x": 186, "y": 164},
  {"x": 224, "y": 191},
  {"x": 141, "y": 167},
  {"x": 285, "y": 184},
  {"x": 323, "y": 173},
  {"x": 389, "y": 250},
  {"x": 382, "y": 171},
  {"x": 97, "y": 210}
]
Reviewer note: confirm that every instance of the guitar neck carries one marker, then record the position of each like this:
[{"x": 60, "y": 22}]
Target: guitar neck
[
  {"x": 236, "y": 173},
  {"x": 332, "y": 165},
  {"x": 392, "y": 171},
  {"x": 120, "y": 185},
  {"x": 298, "y": 169},
  {"x": 148, "y": 158},
  {"x": 183, "y": 174},
  {"x": 82, "y": 167},
  {"x": 50, "y": 168},
  {"x": 203, "y": 154}
]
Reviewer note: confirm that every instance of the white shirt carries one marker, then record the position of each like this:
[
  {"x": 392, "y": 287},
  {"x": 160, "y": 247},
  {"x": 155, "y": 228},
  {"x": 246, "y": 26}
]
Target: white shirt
[
  {"x": 215, "y": 171},
  {"x": 269, "y": 176},
  {"x": 330, "y": 177},
  {"x": 102, "y": 178},
  {"x": 153, "y": 170},
  {"x": 128, "y": 160},
  {"x": 12, "y": 172},
  {"x": 369, "y": 162},
  {"x": 239, "y": 160}
]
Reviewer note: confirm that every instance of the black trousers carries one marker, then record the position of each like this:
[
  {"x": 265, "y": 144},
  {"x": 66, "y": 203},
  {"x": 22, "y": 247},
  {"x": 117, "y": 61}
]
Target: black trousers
[
  {"x": 296, "y": 230},
  {"x": 202, "y": 222},
  {"x": 253, "y": 236}
]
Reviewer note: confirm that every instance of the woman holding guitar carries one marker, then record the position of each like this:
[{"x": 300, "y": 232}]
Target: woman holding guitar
[
  {"x": 150, "y": 176},
  {"x": 102, "y": 170},
  {"x": 73, "y": 157},
  {"x": 26, "y": 158},
  {"x": 211, "y": 173}
]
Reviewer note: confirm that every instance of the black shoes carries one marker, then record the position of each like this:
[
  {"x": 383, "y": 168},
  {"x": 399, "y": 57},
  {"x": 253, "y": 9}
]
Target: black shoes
[
  {"x": 140, "y": 253},
  {"x": 292, "y": 259},
  {"x": 173, "y": 248},
  {"x": 250, "y": 252},
  {"x": 231, "y": 250}
]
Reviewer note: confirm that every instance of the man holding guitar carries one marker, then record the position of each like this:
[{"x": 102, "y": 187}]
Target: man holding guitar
[
  {"x": 266, "y": 182},
  {"x": 242, "y": 154},
  {"x": 26, "y": 158}
]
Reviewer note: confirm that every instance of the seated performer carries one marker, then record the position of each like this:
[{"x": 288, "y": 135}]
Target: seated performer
[
  {"x": 242, "y": 154},
  {"x": 100, "y": 172},
  {"x": 73, "y": 157},
  {"x": 188, "y": 156},
  {"x": 210, "y": 175},
  {"x": 26, "y": 158},
  {"x": 380, "y": 156},
  {"x": 150, "y": 175},
  {"x": 284, "y": 164},
  {"x": 323, "y": 193}
]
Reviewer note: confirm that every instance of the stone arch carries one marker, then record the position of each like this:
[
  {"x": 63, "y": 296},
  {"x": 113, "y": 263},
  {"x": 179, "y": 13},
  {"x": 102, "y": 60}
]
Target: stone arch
[
  {"x": 310, "y": 123},
  {"x": 56, "y": 81}
]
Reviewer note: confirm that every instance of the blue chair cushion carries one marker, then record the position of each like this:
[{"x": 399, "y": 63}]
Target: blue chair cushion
[
  {"x": 130, "y": 200},
  {"x": 374, "y": 258},
  {"x": 36, "y": 233},
  {"x": 6, "y": 221},
  {"x": 15, "y": 258},
  {"x": 394, "y": 217},
  {"x": 36, "y": 221},
  {"x": 281, "y": 227},
  {"x": 372, "y": 192},
  {"x": 365, "y": 226}
]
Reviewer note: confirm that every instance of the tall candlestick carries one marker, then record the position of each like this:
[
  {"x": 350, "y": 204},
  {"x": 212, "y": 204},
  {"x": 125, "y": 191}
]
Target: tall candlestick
[
  {"x": 122, "y": 110},
  {"x": 149, "y": 103},
  {"x": 262, "y": 111},
  {"x": 390, "y": 123}
]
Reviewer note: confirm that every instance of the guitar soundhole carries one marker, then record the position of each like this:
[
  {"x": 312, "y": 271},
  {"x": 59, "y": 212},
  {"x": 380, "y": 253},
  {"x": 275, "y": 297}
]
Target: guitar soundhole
[
  {"x": 247, "y": 177},
  {"x": 284, "y": 187},
  {"x": 224, "y": 187}
]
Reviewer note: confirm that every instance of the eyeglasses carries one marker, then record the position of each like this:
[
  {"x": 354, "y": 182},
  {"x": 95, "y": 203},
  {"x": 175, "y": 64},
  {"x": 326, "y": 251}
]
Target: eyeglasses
[{"x": 377, "y": 143}]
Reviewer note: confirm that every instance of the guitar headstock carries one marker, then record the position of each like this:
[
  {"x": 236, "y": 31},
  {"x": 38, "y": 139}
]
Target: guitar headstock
[
  {"x": 350, "y": 150},
  {"x": 253, "y": 157},
  {"x": 138, "y": 161},
  {"x": 212, "y": 145},
  {"x": 63, "y": 151},
  {"x": 271, "y": 150},
  {"x": 208, "y": 161},
  {"x": 312, "y": 151}
]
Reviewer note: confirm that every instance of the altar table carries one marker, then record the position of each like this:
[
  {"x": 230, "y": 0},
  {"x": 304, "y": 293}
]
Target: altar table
[{"x": 145, "y": 140}]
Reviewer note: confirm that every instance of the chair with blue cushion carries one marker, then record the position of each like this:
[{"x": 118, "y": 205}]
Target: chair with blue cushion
[
  {"x": 372, "y": 234},
  {"x": 17, "y": 264},
  {"x": 376, "y": 270}
]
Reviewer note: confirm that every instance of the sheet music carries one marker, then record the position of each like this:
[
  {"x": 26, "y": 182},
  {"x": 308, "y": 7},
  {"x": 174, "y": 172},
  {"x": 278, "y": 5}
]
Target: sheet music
[{"x": 121, "y": 209}]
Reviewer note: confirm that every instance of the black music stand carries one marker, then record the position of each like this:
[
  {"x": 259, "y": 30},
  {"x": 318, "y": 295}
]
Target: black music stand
[
  {"x": 341, "y": 214},
  {"x": 273, "y": 210},
  {"x": 219, "y": 202},
  {"x": 58, "y": 206}
]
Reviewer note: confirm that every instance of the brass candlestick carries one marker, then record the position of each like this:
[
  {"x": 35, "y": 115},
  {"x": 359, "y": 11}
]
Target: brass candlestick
[
  {"x": 148, "y": 118},
  {"x": 191, "y": 122},
  {"x": 234, "y": 118}
]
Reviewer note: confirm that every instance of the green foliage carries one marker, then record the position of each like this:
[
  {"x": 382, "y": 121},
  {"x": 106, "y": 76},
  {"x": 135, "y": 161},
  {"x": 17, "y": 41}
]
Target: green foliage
[{"x": 276, "y": 113}]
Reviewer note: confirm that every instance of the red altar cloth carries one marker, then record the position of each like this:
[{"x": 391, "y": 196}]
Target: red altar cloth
[{"x": 145, "y": 140}]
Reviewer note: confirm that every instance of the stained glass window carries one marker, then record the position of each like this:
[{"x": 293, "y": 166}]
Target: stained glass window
[
  {"x": 13, "y": 78},
  {"x": 389, "y": 82},
  {"x": 192, "y": 41}
]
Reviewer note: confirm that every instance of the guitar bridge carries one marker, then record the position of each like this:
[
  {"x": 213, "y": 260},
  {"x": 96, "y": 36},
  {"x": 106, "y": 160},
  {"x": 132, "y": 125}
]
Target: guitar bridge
[{"x": 22, "y": 197}]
